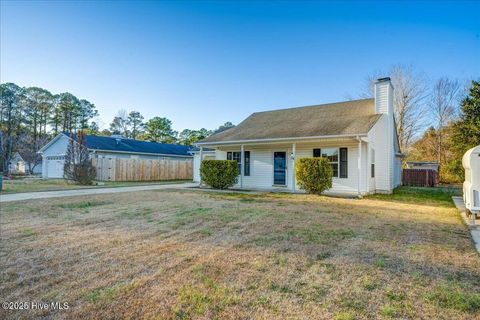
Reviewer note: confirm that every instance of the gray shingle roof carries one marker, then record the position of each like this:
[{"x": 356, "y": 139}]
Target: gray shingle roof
[{"x": 342, "y": 118}]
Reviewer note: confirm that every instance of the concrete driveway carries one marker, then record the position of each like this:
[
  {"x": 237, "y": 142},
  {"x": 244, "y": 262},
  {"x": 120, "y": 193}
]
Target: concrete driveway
[{"x": 83, "y": 192}]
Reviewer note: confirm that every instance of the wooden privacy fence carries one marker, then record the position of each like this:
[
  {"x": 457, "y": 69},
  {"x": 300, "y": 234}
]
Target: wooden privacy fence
[
  {"x": 118, "y": 169},
  {"x": 420, "y": 177}
]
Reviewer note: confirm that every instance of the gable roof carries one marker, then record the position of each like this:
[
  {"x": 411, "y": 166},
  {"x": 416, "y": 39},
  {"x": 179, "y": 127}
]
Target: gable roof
[
  {"x": 333, "y": 119},
  {"x": 125, "y": 145},
  {"x": 17, "y": 157}
]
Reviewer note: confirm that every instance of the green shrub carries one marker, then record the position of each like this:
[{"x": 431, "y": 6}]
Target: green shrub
[
  {"x": 314, "y": 175},
  {"x": 219, "y": 174}
]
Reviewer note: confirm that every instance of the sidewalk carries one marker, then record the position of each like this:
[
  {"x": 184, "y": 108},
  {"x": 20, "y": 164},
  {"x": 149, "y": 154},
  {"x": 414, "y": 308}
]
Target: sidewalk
[
  {"x": 474, "y": 227},
  {"x": 82, "y": 192}
]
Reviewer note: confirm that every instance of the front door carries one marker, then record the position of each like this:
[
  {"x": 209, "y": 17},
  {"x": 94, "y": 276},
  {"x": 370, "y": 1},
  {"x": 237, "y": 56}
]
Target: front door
[{"x": 280, "y": 168}]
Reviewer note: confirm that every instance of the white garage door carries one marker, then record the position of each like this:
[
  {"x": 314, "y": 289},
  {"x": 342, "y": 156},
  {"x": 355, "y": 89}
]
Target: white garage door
[{"x": 55, "y": 166}]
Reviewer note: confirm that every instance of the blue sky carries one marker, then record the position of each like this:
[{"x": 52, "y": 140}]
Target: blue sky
[{"x": 203, "y": 63}]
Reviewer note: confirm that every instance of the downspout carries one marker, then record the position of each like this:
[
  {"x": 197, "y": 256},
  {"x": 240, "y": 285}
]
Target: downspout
[
  {"x": 294, "y": 156},
  {"x": 200, "y": 164},
  {"x": 242, "y": 166}
]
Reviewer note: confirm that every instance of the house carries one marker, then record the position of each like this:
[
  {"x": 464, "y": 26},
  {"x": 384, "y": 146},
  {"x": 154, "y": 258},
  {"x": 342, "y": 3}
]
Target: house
[
  {"x": 358, "y": 137},
  {"x": 53, "y": 153},
  {"x": 17, "y": 165},
  {"x": 423, "y": 165}
]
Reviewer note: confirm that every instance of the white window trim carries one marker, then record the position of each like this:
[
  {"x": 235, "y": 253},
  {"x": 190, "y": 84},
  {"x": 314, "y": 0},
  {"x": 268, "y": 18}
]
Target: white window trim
[{"x": 333, "y": 162}]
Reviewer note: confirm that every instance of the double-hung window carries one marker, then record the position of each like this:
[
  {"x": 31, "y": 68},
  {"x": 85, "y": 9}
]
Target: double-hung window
[
  {"x": 338, "y": 159},
  {"x": 237, "y": 156},
  {"x": 332, "y": 155}
]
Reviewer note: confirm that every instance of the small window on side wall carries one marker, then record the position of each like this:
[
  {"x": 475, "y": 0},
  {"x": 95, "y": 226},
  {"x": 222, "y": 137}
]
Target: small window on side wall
[
  {"x": 343, "y": 162},
  {"x": 372, "y": 168}
]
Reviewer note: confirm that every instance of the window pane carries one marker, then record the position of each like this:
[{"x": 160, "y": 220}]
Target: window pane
[
  {"x": 236, "y": 156},
  {"x": 331, "y": 154},
  {"x": 247, "y": 163},
  {"x": 335, "y": 169}
]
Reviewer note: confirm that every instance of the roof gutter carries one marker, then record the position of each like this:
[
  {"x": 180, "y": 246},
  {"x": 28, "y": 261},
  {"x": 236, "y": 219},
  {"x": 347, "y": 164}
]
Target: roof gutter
[{"x": 355, "y": 136}]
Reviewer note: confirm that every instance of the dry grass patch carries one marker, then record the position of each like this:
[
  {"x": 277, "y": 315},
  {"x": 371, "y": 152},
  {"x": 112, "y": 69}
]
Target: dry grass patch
[{"x": 196, "y": 255}]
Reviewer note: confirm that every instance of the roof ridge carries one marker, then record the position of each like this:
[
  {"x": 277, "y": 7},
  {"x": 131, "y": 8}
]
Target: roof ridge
[{"x": 316, "y": 105}]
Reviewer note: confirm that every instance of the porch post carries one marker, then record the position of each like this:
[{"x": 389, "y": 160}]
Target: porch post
[
  {"x": 359, "y": 166},
  {"x": 201, "y": 159},
  {"x": 369, "y": 167},
  {"x": 242, "y": 160},
  {"x": 294, "y": 153}
]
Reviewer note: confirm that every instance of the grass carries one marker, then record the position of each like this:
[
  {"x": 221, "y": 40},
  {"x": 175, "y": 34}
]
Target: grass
[
  {"x": 34, "y": 185},
  {"x": 199, "y": 255},
  {"x": 421, "y": 195},
  {"x": 455, "y": 298}
]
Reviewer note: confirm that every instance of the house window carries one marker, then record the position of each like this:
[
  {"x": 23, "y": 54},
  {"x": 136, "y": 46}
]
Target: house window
[
  {"x": 56, "y": 158},
  {"x": 332, "y": 155},
  {"x": 246, "y": 169},
  {"x": 236, "y": 156},
  {"x": 372, "y": 169}
]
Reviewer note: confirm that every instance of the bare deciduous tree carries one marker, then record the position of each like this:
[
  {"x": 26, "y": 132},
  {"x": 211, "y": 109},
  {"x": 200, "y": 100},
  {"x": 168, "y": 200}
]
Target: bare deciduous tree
[
  {"x": 411, "y": 91},
  {"x": 444, "y": 106},
  {"x": 78, "y": 165},
  {"x": 28, "y": 149},
  {"x": 119, "y": 124}
]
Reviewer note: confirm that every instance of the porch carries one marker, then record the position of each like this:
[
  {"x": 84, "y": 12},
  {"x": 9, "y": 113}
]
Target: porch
[{"x": 270, "y": 166}]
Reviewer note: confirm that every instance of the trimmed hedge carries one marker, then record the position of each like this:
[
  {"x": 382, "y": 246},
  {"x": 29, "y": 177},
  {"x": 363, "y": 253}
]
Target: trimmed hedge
[
  {"x": 219, "y": 174},
  {"x": 314, "y": 175}
]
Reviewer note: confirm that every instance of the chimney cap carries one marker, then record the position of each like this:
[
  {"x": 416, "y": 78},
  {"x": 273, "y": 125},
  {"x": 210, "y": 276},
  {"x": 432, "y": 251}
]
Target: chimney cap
[{"x": 383, "y": 79}]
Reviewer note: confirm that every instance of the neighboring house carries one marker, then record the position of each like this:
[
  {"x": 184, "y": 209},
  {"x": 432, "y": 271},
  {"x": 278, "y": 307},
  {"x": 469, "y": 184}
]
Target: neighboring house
[
  {"x": 17, "y": 165},
  {"x": 422, "y": 165},
  {"x": 53, "y": 153},
  {"x": 358, "y": 137}
]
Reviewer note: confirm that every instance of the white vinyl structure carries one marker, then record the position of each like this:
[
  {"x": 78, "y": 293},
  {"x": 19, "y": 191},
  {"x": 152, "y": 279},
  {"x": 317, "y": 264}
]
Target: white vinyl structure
[{"x": 471, "y": 186}]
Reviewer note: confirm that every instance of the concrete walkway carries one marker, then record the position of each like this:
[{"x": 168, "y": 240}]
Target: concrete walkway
[
  {"x": 474, "y": 226},
  {"x": 83, "y": 192}
]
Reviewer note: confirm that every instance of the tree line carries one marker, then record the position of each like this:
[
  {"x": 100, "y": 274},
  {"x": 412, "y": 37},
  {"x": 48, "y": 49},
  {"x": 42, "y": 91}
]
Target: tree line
[
  {"x": 159, "y": 129},
  {"x": 31, "y": 116}
]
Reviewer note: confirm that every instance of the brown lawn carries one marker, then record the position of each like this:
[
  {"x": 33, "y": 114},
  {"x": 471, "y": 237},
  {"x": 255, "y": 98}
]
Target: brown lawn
[
  {"x": 197, "y": 255},
  {"x": 34, "y": 185}
]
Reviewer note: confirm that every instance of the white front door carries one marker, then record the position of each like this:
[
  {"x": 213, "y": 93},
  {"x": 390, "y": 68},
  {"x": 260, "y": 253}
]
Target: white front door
[{"x": 55, "y": 166}]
